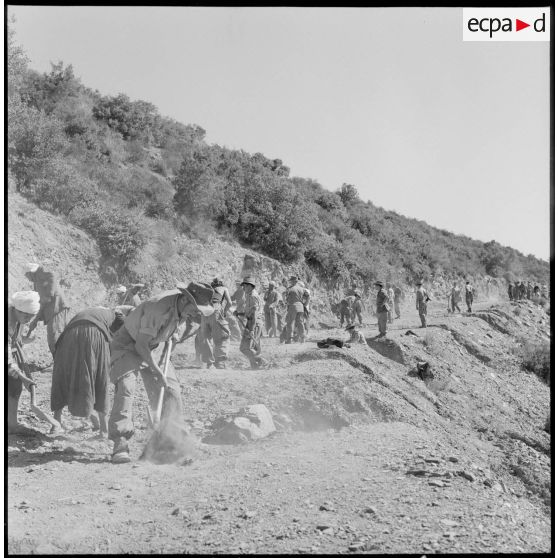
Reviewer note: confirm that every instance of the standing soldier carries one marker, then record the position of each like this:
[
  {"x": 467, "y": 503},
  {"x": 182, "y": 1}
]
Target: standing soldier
[
  {"x": 397, "y": 294},
  {"x": 344, "y": 311},
  {"x": 529, "y": 290},
  {"x": 271, "y": 298},
  {"x": 516, "y": 291},
  {"x": 536, "y": 291},
  {"x": 215, "y": 332},
  {"x": 391, "y": 297},
  {"x": 238, "y": 298},
  {"x": 522, "y": 290},
  {"x": 421, "y": 302},
  {"x": 306, "y": 305},
  {"x": 357, "y": 307},
  {"x": 295, "y": 311},
  {"x": 250, "y": 344},
  {"x": 455, "y": 298},
  {"x": 138, "y": 348},
  {"x": 382, "y": 308},
  {"x": 350, "y": 308},
  {"x": 510, "y": 291},
  {"x": 469, "y": 295}
]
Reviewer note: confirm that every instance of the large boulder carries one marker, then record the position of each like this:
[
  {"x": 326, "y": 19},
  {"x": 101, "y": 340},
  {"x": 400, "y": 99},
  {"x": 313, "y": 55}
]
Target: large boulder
[{"x": 247, "y": 424}]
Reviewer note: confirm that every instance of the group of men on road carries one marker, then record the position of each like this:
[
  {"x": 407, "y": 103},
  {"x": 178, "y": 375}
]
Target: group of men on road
[
  {"x": 350, "y": 309},
  {"x": 388, "y": 302},
  {"x": 521, "y": 291},
  {"x": 454, "y": 297},
  {"x": 100, "y": 344}
]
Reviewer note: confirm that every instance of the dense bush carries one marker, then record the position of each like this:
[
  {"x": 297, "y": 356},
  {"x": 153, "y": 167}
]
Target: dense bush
[{"x": 118, "y": 232}]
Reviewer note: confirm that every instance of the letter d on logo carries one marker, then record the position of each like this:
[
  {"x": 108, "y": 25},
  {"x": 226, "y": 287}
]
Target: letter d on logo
[{"x": 541, "y": 20}]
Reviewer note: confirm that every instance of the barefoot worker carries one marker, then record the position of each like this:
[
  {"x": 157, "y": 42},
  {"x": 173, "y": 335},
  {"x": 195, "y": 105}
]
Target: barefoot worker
[
  {"x": 80, "y": 377},
  {"x": 21, "y": 310},
  {"x": 138, "y": 347}
]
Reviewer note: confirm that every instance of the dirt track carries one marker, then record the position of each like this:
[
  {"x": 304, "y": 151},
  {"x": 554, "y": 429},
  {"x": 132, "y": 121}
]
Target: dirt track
[{"x": 460, "y": 464}]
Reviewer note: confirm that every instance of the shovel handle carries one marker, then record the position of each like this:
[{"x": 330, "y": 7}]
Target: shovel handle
[{"x": 159, "y": 410}]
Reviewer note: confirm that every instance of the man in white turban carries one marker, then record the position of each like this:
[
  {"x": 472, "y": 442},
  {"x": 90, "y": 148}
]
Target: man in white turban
[{"x": 21, "y": 309}]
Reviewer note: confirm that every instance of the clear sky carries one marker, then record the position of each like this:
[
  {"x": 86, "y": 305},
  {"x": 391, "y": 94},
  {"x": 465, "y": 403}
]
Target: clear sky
[{"x": 391, "y": 100}]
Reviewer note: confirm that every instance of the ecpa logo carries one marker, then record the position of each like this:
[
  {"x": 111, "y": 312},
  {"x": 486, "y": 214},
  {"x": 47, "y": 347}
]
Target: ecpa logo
[{"x": 506, "y": 24}]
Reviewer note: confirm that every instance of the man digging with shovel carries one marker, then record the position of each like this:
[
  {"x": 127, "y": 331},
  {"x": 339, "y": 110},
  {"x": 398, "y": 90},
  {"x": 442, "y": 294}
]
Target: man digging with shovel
[{"x": 138, "y": 347}]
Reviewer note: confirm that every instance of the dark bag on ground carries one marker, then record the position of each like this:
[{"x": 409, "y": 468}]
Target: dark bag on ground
[{"x": 326, "y": 343}]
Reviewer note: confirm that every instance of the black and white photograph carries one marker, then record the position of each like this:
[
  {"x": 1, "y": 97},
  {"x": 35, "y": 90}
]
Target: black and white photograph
[{"x": 278, "y": 280}]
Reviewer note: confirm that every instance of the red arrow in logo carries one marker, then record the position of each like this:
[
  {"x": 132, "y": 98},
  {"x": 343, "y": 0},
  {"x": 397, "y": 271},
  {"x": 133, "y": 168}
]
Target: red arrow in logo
[{"x": 519, "y": 25}]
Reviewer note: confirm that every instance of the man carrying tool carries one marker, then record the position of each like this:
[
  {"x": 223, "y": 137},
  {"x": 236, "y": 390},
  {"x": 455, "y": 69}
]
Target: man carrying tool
[
  {"x": 250, "y": 344},
  {"x": 21, "y": 310},
  {"x": 138, "y": 347}
]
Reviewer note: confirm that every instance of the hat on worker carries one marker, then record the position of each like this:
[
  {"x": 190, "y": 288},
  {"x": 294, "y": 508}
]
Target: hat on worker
[
  {"x": 199, "y": 294},
  {"x": 271, "y": 284},
  {"x": 249, "y": 281},
  {"x": 31, "y": 267},
  {"x": 138, "y": 285},
  {"x": 357, "y": 293},
  {"x": 293, "y": 278},
  {"x": 26, "y": 301},
  {"x": 350, "y": 326},
  {"x": 378, "y": 284},
  {"x": 121, "y": 289}
]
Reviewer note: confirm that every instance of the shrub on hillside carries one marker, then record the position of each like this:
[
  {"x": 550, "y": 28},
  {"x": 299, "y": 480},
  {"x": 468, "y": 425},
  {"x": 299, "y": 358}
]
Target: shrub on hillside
[
  {"x": 119, "y": 232},
  {"x": 34, "y": 139},
  {"x": 535, "y": 357}
]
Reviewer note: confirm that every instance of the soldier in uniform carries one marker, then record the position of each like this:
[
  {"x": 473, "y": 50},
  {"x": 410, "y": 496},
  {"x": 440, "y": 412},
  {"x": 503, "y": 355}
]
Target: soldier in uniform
[
  {"x": 295, "y": 311},
  {"x": 357, "y": 307},
  {"x": 250, "y": 344},
  {"x": 271, "y": 299},
  {"x": 215, "y": 332},
  {"x": 345, "y": 311},
  {"x": 138, "y": 347},
  {"x": 397, "y": 294},
  {"x": 455, "y": 298},
  {"x": 382, "y": 308},
  {"x": 469, "y": 295},
  {"x": 391, "y": 298},
  {"x": 522, "y": 290},
  {"x": 422, "y": 300},
  {"x": 306, "y": 305}
]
